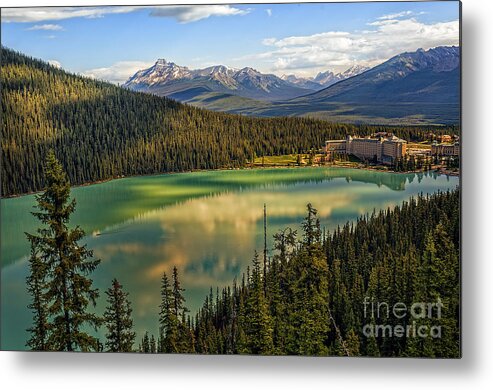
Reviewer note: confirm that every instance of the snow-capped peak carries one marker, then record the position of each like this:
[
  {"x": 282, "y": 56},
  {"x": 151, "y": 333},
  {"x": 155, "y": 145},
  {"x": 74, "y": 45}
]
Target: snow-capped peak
[
  {"x": 354, "y": 70},
  {"x": 161, "y": 72},
  {"x": 329, "y": 77},
  {"x": 164, "y": 72}
]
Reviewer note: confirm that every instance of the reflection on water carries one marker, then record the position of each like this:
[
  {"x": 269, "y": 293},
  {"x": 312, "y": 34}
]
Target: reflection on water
[{"x": 207, "y": 224}]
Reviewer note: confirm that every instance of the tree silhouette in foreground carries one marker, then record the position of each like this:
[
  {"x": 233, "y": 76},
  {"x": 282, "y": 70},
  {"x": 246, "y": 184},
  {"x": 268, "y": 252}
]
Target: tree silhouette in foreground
[
  {"x": 58, "y": 283},
  {"x": 118, "y": 320}
]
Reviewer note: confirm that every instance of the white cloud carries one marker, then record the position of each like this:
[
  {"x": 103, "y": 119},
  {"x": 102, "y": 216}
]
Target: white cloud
[
  {"x": 46, "y": 27},
  {"x": 182, "y": 13},
  {"x": 269, "y": 12},
  {"x": 187, "y": 14},
  {"x": 269, "y": 41},
  {"x": 332, "y": 37},
  {"x": 55, "y": 63},
  {"x": 383, "y": 22},
  {"x": 338, "y": 50},
  {"x": 38, "y": 14},
  {"x": 119, "y": 72},
  {"x": 395, "y": 16}
]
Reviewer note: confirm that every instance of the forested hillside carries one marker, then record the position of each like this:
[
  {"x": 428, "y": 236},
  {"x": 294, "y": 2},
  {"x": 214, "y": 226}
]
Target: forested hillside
[
  {"x": 313, "y": 294},
  {"x": 101, "y": 131}
]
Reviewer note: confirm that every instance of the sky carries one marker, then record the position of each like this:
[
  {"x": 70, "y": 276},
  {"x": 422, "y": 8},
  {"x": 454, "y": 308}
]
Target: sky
[{"x": 112, "y": 43}]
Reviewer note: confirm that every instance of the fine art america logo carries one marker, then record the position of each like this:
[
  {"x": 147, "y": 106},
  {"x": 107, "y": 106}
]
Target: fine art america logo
[{"x": 400, "y": 320}]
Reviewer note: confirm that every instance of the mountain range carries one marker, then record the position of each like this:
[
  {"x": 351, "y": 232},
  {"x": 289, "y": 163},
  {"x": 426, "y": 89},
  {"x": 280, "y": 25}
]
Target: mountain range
[
  {"x": 183, "y": 84},
  {"x": 421, "y": 87},
  {"x": 324, "y": 79},
  {"x": 428, "y": 76}
]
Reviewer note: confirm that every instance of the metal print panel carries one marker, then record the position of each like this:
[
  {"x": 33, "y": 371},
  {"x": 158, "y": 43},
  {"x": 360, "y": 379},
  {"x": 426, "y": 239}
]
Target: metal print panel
[{"x": 264, "y": 179}]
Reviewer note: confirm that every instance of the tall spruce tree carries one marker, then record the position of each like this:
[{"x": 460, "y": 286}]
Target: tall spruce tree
[
  {"x": 178, "y": 298},
  {"x": 152, "y": 345},
  {"x": 118, "y": 320},
  {"x": 64, "y": 266},
  {"x": 36, "y": 284},
  {"x": 284, "y": 243},
  {"x": 145, "y": 344},
  {"x": 309, "y": 299},
  {"x": 184, "y": 339},
  {"x": 256, "y": 319},
  {"x": 167, "y": 320}
]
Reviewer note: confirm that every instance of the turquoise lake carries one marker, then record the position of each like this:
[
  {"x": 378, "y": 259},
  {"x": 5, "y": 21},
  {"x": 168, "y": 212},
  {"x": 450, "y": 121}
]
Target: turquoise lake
[{"x": 207, "y": 224}]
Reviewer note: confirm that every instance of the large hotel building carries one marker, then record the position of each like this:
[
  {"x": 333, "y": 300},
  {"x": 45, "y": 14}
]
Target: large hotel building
[
  {"x": 445, "y": 149},
  {"x": 382, "y": 147}
]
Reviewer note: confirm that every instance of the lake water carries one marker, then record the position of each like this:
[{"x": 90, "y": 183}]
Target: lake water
[{"x": 207, "y": 224}]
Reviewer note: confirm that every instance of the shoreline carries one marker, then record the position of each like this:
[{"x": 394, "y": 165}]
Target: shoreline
[{"x": 376, "y": 168}]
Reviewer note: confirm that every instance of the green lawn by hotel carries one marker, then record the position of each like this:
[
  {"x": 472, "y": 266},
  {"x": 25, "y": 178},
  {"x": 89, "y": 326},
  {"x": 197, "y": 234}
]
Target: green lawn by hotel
[{"x": 287, "y": 159}]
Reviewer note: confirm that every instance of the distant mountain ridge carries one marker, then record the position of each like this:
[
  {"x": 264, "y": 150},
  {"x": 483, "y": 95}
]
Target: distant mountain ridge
[
  {"x": 328, "y": 78},
  {"x": 432, "y": 75},
  {"x": 421, "y": 87},
  {"x": 181, "y": 83},
  {"x": 324, "y": 79}
]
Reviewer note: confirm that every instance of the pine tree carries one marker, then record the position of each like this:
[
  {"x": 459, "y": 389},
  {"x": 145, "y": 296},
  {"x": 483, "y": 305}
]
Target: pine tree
[
  {"x": 372, "y": 345},
  {"x": 256, "y": 319},
  {"x": 168, "y": 321},
  {"x": 184, "y": 339},
  {"x": 352, "y": 343},
  {"x": 65, "y": 265},
  {"x": 152, "y": 345},
  {"x": 145, "y": 345},
  {"x": 284, "y": 243},
  {"x": 36, "y": 284},
  {"x": 308, "y": 303},
  {"x": 311, "y": 227},
  {"x": 118, "y": 320},
  {"x": 178, "y": 298}
]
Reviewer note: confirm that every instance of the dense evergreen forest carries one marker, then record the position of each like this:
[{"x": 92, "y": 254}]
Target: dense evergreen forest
[
  {"x": 101, "y": 131},
  {"x": 314, "y": 295}
]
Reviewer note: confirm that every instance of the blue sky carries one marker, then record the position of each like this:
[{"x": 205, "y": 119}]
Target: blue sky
[{"x": 303, "y": 39}]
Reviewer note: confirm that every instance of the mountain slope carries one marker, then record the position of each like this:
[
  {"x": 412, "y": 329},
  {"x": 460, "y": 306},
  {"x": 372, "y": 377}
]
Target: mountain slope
[
  {"x": 432, "y": 75},
  {"x": 100, "y": 131}
]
